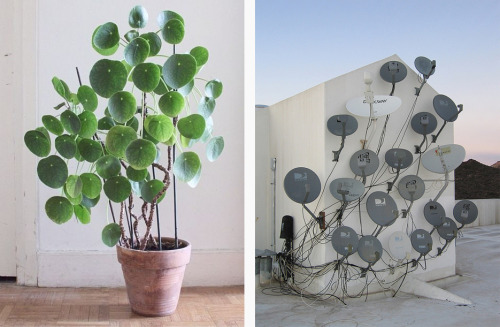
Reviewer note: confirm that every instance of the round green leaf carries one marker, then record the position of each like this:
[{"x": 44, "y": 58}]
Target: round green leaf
[
  {"x": 138, "y": 17},
  {"x": 154, "y": 43},
  {"x": 117, "y": 188},
  {"x": 213, "y": 88},
  {"x": 136, "y": 175},
  {"x": 105, "y": 123},
  {"x": 178, "y": 70},
  {"x": 159, "y": 126},
  {"x": 70, "y": 122},
  {"x": 146, "y": 76},
  {"x": 37, "y": 143},
  {"x": 186, "y": 89},
  {"x": 206, "y": 106},
  {"x": 148, "y": 137},
  {"x": 191, "y": 126},
  {"x": 66, "y": 146},
  {"x": 89, "y": 149},
  {"x": 88, "y": 124},
  {"x": 214, "y": 148},
  {"x": 111, "y": 234},
  {"x": 52, "y": 124},
  {"x": 52, "y": 171},
  {"x": 122, "y": 106},
  {"x": 200, "y": 54},
  {"x": 74, "y": 186},
  {"x": 173, "y": 31},
  {"x": 82, "y": 213},
  {"x": 186, "y": 166},
  {"x": 74, "y": 201},
  {"x": 104, "y": 52},
  {"x": 171, "y": 140},
  {"x": 162, "y": 86},
  {"x": 187, "y": 143},
  {"x": 106, "y": 36},
  {"x": 165, "y": 16},
  {"x": 140, "y": 153},
  {"x": 87, "y": 97},
  {"x": 92, "y": 185},
  {"x": 61, "y": 88},
  {"x": 108, "y": 77},
  {"x": 89, "y": 203},
  {"x": 196, "y": 179},
  {"x": 151, "y": 189},
  {"x": 130, "y": 35},
  {"x": 136, "y": 51},
  {"x": 209, "y": 126},
  {"x": 134, "y": 123},
  {"x": 108, "y": 166},
  {"x": 59, "y": 209},
  {"x": 171, "y": 103},
  {"x": 118, "y": 139}
]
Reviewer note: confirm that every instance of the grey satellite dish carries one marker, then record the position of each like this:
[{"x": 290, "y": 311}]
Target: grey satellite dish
[
  {"x": 465, "y": 212},
  {"x": 448, "y": 230},
  {"x": 364, "y": 162},
  {"x": 393, "y": 71},
  {"x": 382, "y": 208},
  {"x": 342, "y": 125},
  {"x": 421, "y": 240},
  {"x": 398, "y": 158},
  {"x": 347, "y": 189},
  {"x": 345, "y": 240},
  {"x": 434, "y": 213},
  {"x": 424, "y": 123},
  {"x": 425, "y": 66},
  {"x": 452, "y": 155},
  {"x": 302, "y": 185},
  {"x": 411, "y": 187},
  {"x": 370, "y": 249},
  {"x": 399, "y": 245},
  {"x": 445, "y": 108}
]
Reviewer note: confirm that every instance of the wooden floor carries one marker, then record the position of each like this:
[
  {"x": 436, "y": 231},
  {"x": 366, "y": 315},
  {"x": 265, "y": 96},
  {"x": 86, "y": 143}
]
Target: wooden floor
[{"x": 32, "y": 306}]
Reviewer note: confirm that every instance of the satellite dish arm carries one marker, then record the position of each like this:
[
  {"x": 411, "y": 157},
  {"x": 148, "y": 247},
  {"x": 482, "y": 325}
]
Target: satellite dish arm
[
  {"x": 336, "y": 154},
  {"x": 452, "y": 118},
  {"x": 390, "y": 184},
  {"x": 446, "y": 175}
]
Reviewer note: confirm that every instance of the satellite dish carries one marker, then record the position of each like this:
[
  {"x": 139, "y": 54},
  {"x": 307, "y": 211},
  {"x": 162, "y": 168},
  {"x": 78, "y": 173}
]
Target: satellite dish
[
  {"x": 452, "y": 154},
  {"x": 370, "y": 249},
  {"x": 448, "y": 230},
  {"x": 425, "y": 66},
  {"x": 465, "y": 212},
  {"x": 434, "y": 213},
  {"x": 364, "y": 160},
  {"x": 398, "y": 158},
  {"x": 421, "y": 240},
  {"x": 347, "y": 189},
  {"x": 424, "y": 123},
  {"x": 382, "y": 105},
  {"x": 393, "y": 71},
  {"x": 302, "y": 185},
  {"x": 382, "y": 208},
  {"x": 399, "y": 245},
  {"x": 411, "y": 187},
  {"x": 342, "y": 125},
  {"x": 445, "y": 108},
  {"x": 345, "y": 240}
]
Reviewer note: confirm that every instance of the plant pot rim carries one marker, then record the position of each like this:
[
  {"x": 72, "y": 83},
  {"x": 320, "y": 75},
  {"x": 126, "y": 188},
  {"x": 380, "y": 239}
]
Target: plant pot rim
[{"x": 185, "y": 244}]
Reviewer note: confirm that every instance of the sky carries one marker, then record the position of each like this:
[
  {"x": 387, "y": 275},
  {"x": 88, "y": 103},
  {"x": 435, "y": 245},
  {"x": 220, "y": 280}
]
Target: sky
[{"x": 300, "y": 44}]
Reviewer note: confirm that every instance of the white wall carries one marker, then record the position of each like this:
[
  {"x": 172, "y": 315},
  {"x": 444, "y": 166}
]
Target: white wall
[
  {"x": 211, "y": 215},
  {"x": 299, "y": 137}
]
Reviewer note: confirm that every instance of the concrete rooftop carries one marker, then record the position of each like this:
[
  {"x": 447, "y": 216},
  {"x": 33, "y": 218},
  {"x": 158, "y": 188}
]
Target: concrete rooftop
[{"x": 478, "y": 262}]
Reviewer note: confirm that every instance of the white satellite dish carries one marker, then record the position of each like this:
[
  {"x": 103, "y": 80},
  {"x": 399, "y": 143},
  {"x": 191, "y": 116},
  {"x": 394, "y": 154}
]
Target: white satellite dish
[
  {"x": 399, "y": 245},
  {"x": 451, "y": 155},
  {"x": 382, "y": 105}
]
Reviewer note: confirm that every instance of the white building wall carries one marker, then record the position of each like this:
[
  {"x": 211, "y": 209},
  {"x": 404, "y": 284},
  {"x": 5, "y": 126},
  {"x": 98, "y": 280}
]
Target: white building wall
[{"x": 299, "y": 137}]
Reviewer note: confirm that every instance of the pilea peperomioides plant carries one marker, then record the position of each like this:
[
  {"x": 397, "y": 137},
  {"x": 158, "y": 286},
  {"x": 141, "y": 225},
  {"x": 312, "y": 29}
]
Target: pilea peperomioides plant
[{"x": 146, "y": 99}]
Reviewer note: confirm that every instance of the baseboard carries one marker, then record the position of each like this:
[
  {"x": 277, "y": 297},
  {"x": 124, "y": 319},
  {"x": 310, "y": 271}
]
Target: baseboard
[{"x": 101, "y": 269}]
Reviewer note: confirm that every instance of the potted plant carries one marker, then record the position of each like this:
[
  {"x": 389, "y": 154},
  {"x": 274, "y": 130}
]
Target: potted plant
[{"x": 113, "y": 137}]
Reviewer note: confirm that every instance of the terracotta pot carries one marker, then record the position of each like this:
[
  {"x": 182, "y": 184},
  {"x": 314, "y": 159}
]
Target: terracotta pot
[{"x": 154, "y": 278}]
